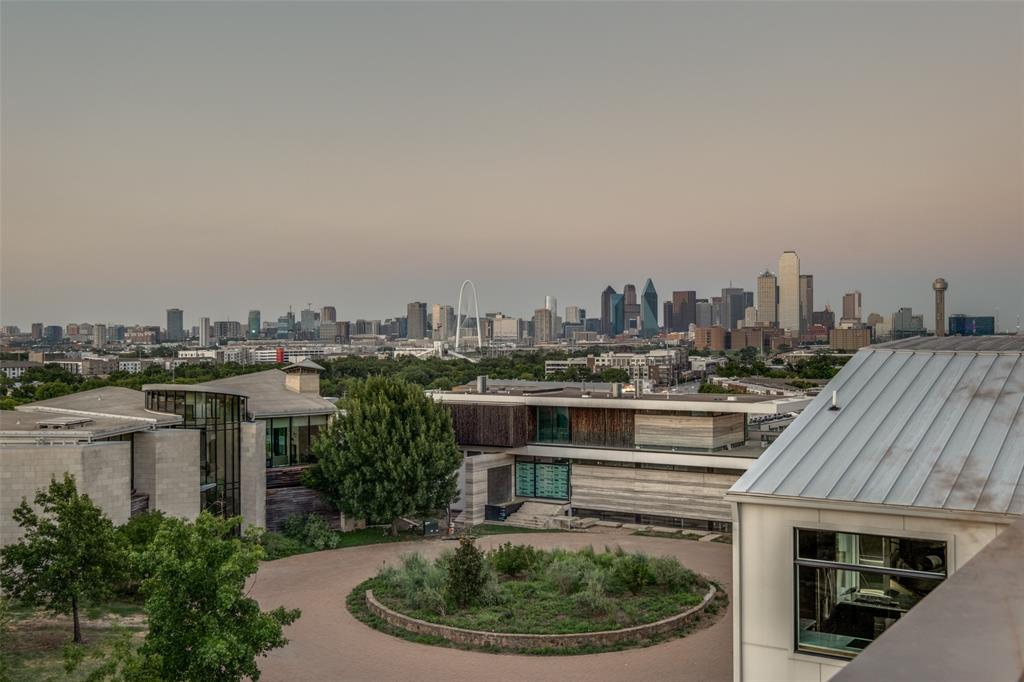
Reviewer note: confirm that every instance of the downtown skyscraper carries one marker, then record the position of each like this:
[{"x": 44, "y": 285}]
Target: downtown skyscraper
[
  {"x": 767, "y": 299},
  {"x": 789, "y": 292}
]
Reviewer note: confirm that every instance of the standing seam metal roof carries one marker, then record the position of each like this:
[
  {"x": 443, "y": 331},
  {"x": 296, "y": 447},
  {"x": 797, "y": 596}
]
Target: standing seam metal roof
[{"x": 939, "y": 429}]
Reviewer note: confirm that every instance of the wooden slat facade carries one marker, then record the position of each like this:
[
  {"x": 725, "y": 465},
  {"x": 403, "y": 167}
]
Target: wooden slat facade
[
  {"x": 491, "y": 425},
  {"x": 286, "y": 496},
  {"x": 597, "y": 427},
  {"x": 652, "y": 491},
  {"x": 684, "y": 431}
]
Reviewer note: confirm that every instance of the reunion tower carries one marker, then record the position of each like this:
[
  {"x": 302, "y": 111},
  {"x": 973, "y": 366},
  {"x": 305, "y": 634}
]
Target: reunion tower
[{"x": 940, "y": 287}]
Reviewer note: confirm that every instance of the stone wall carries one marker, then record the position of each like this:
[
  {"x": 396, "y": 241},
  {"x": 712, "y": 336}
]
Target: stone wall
[
  {"x": 102, "y": 471},
  {"x": 167, "y": 469},
  {"x": 504, "y": 640},
  {"x": 473, "y": 496},
  {"x": 254, "y": 474}
]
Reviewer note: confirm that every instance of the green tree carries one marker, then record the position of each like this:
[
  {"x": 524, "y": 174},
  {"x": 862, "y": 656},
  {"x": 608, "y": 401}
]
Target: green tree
[
  {"x": 202, "y": 626},
  {"x": 391, "y": 453},
  {"x": 466, "y": 573},
  {"x": 67, "y": 555},
  {"x": 615, "y": 375}
]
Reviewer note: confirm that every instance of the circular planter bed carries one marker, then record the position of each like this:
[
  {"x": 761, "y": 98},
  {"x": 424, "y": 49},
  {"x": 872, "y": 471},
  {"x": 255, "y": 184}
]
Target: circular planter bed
[{"x": 529, "y": 601}]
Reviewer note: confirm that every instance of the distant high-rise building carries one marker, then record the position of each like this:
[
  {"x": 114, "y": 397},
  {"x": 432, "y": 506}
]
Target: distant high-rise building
[
  {"x": 716, "y": 311},
  {"x": 204, "y": 332},
  {"x": 806, "y": 301},
  {"x": 629, "y": 294},
  {"x": 606, "y": 310},
  {"x": 905, "y": 323},
  {"x": 37, "y": 331},
  {"x": 704, "y": 313},
  {"x": 254, "y": 328},
  {"x": 307, "y": 320},
  {"x": 851, "y": 305},
  {"x": 667, "y": 316},
  {"x": 416, "y": 316},
  {"x": 965, "y": 325},
  {"x": 618, "y": 314},
  {"x": 684, "y": 310},
  {"x": 826, "y": 318},
  {"x": 551, "y": 303},
  {"x": 444, "y": 322},
  {"x": 940, "y": 287},
  {"x": 53, "y": 333},
  {"x": 543, "y": 325},
  {"x": 175, "y": 325},
  {"x": 506, "y": 328},
  {"x": 227, "y": 329},
  {"x": 733, "y": 305},
  {"x": 750, "y": 317},
  {"x": 99, "y": 335},
  {"x": 574, "y": 314},
  {"x": 767, "y": 298},
  {"x": 649, "y": 310},
  {"x": 328, "y": 314},
  {"x": 789, "y": 291}
]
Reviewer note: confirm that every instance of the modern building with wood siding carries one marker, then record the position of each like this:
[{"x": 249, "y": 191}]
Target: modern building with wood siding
[{"x": 662, "y": 458}]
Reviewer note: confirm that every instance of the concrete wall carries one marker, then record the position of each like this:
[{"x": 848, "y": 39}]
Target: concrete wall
[
  {"x": 102, "y": 471},
  {"x": 764, "y": 599},
  {"x": 474, "y": 483},
  {"x": 167, "y": 469},
  {"x": 254, "y": 474},
  {"x": 652, "y": 491}
]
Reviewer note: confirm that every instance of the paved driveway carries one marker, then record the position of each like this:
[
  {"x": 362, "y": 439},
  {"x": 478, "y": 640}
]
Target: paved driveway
[{"x": 327, "y": 643}]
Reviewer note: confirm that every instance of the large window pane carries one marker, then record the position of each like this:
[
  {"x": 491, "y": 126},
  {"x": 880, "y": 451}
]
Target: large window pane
[
  {"x": 842, "y": 611},
  {"x": 280, "y": 442},
  {"x": 300, "y": 426},
  {"x": 872, "y": 550}
]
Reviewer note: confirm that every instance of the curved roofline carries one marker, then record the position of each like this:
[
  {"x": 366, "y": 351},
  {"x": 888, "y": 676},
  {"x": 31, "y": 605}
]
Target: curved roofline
[{"x": 194, "y": 388}]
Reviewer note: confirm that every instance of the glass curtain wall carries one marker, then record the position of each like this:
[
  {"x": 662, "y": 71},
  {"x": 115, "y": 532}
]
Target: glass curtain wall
[
  {"x": 290, "y": 439},
  {"x": 219, "y": 417}
]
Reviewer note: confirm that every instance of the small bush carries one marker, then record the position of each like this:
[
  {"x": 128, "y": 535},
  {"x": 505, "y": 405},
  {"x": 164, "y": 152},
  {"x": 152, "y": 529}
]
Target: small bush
[
  {"x": 631, "y": 572},
  {"x": 466, "y": 573},
  {"x": 566, "y": 573},
  {"x": 668, "y": 574},
  {"x": 140, "y": 529},
  {"x": 311, "y": 530},
  {"x": 278, "y": 546},
  {"x": 592, "y": 599},
  {"x": 513, "y": 560}
]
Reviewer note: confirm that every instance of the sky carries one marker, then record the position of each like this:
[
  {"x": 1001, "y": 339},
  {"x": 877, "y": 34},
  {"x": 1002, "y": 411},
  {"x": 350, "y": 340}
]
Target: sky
[{"x": 222, "y": 157}]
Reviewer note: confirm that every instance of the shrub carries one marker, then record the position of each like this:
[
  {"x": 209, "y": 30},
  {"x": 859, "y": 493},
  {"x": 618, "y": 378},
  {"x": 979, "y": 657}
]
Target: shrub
[
  {"x": 512, "y": 560},
  {"x": 466, "y": 573},
  {"x": 140, "y": 529},
  {"x": 631, "y": 572},
  {"x": 311, "y": 530},
  {"x": 668, "y": 574},
  {"x": 566, "y": 573},
  {"x": 591, "y": 599},
  {"x": 278, "y": 546}
]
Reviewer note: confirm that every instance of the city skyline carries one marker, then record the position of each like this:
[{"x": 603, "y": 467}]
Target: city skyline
[{"x": 712, "y": 145}]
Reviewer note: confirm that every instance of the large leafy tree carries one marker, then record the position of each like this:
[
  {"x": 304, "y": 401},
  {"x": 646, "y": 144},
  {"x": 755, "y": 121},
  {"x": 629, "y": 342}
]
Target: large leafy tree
[
  {"x": 202, "y": 626},
  {"x": 68, "y": 554},
  {"x": 390, "y": 454}
]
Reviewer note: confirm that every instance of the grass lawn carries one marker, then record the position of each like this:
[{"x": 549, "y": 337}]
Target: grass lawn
[{"x": 34, "y": 643}]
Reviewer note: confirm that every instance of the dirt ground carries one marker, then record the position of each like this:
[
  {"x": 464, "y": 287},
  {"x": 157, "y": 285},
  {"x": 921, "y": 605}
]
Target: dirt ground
[{"x": 327, "y": 643}]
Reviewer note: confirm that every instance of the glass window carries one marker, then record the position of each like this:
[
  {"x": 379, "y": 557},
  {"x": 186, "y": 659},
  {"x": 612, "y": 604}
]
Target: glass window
[
  {"x": 851, "y": 587},
  {"x": 279, "y": 436},
  {"x": 317, "y": 423},
  {"x": 300, "y": 426},
  {"x": 553, "y": 425}
]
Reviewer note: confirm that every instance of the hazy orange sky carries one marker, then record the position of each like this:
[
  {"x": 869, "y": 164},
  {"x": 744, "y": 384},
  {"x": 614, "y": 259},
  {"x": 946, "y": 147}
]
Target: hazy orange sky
[{"x": 225, "y": 156}]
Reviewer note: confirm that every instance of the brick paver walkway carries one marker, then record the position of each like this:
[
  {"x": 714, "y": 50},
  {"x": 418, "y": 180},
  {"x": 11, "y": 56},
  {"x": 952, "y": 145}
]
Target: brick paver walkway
[{"x": 327, "y": 643}]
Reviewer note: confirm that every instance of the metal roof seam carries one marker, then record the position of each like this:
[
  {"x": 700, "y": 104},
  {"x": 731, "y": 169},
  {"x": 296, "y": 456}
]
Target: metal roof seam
[
  {"x": 867, "y": 440},
  {"x": 959, "y": 420},
  {"x": 843, "y": 412},
  {"x": 967, "y": 458},
  {"x": 924, "y": 432},
  {"x": 906, "y": 422}
]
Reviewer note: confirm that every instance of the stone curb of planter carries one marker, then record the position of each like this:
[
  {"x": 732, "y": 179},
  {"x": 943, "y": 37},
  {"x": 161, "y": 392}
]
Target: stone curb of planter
[{"x": 507, "y": 640}]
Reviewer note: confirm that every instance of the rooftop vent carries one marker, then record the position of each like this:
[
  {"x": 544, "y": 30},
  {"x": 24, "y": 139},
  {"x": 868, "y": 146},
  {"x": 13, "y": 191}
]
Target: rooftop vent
[
  {"x": 55, "y": 423},
  {"x": 616, "y": 390},
  {"x": 481, "y": 383}
]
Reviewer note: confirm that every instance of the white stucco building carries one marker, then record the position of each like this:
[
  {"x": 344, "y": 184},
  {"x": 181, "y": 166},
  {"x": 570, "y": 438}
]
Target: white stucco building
[{"x": 863, "y": 506}]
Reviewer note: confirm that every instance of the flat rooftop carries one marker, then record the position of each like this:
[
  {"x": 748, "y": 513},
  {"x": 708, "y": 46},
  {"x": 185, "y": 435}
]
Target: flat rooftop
[
  {"x": 600, "y": 395},
  {"x": 28, "y": 425},
  {"x": 110, "y": 401}
]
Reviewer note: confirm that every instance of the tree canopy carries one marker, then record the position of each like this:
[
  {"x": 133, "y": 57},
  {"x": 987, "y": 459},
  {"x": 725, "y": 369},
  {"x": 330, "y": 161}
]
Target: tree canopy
[
  {"x": 391, "y": 453},
  {"x": 68, "y": 554},
  {"x": 202, "y": 626}
]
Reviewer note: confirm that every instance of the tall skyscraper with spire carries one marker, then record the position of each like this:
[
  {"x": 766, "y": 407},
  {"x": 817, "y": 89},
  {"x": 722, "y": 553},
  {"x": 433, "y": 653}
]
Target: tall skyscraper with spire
[{"x": 789, "y": 291}]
